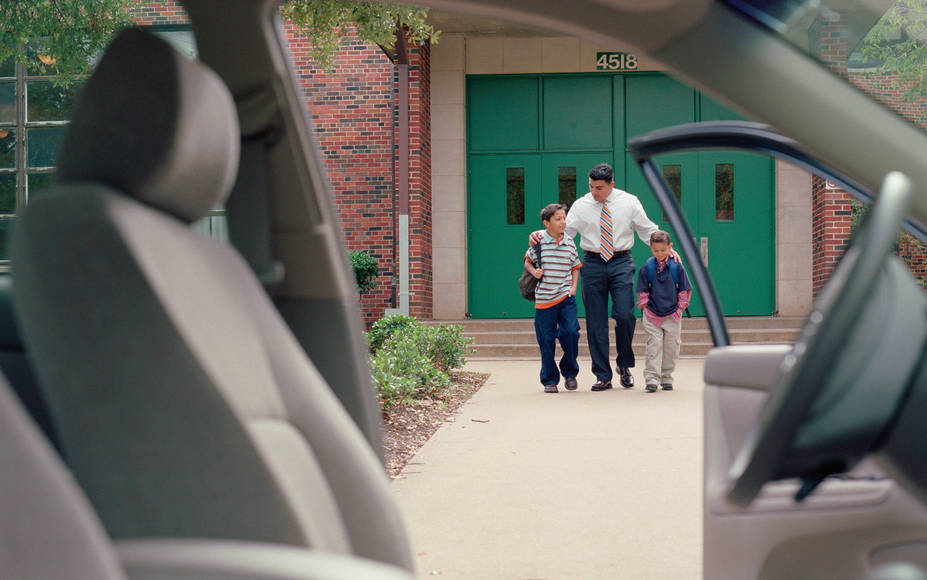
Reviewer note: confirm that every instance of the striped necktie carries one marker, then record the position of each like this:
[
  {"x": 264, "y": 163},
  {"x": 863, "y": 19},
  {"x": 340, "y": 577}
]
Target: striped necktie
[{"x": 606, "y": 249}]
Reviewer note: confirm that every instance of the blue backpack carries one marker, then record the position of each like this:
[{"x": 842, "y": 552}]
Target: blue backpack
[{"x": 673, "y": 265}]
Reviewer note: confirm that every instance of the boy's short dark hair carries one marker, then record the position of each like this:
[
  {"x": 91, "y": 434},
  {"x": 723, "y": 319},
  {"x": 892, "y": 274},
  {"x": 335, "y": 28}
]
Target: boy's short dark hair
[
  {"x": 549, "y": 211},
  {"x": 660, "y": 237},
  {"x": 602, "y": 172}
]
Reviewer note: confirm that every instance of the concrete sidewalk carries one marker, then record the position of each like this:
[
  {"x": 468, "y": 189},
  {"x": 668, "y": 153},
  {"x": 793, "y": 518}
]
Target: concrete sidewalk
[{"x": 525, "y": 484}]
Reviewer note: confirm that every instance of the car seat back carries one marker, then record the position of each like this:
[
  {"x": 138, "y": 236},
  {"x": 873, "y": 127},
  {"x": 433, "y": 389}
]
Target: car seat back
[{"x": 183, "y": 403}]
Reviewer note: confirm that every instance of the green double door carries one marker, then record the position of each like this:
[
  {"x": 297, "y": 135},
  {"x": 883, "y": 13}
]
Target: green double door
[
  {"x": 725, "y": 197},
  {"x": 499, "y": 236},
  {"x": 728, "y": 197},
  {"x": 518, "y": 128}
]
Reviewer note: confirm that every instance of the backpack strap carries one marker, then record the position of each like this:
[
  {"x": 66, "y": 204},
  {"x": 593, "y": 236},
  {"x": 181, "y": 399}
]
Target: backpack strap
[
  {"x": 674, "y": 271},
  {"x": 651, "y": 266}
]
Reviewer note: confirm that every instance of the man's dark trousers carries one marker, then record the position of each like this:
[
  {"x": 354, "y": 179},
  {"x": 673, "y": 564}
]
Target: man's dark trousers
[
  {"x": 602, "y": 279},
  {"x": 558, "y": 321}
]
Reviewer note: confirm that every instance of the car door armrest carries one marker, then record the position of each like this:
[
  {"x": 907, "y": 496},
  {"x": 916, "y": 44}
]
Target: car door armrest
[
  {"x": 195, "y": 559},
  {"x": 745, "y": 366}
]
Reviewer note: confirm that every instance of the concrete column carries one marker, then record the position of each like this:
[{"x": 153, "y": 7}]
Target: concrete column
[
  {"x": 793, "y": 240},
  {"x": 449, "y": 180}
]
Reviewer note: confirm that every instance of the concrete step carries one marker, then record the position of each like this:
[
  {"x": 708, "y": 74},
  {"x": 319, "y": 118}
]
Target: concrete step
[
  {"x": 695, "y": 322},
  {"x": 514, "y": 338},
  {"x": 530, "y": 352},
  {"x": 736, "y": 336}
]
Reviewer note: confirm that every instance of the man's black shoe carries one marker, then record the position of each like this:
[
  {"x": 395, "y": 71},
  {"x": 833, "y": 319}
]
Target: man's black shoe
[
  {"x": 667, "y": 387},
  {"x": 601, "y": 385},
  {"x": 651, "y": 388},
  {"x": 627, "y": 381},
  {"x": 570, "y": 383},
  {"x": 550, "y": 388}
]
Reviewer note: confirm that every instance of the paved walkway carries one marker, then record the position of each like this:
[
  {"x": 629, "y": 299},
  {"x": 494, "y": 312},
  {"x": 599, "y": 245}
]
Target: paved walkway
[{"x": 527, "y": 485}]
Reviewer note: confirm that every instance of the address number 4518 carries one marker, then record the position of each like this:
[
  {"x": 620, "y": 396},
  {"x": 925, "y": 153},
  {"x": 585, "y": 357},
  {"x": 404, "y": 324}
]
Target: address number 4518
[{"x": 615, "y": 61}]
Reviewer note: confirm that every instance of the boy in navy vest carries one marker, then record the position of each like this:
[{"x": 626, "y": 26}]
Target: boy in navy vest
[
  {"x": 555, "y": 299},
  {"x": 663, "y": 293}
]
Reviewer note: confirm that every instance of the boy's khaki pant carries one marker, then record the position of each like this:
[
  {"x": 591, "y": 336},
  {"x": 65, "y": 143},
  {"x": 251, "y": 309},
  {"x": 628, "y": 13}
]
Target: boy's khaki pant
[{"x": 662, "y": 350}]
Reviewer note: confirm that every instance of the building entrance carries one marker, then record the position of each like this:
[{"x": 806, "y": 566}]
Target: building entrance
[{"x": 532, "y": 140}]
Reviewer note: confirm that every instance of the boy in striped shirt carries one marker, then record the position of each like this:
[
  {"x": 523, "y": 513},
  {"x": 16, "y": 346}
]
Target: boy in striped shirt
[{"x": 555, "y": 299}]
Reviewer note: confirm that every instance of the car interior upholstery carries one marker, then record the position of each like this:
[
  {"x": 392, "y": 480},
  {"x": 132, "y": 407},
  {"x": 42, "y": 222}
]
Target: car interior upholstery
[{"x": 184, "y": 404}]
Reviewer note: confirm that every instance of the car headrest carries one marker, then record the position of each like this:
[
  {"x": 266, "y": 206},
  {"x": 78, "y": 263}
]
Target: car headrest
[{"x": 154, "y": 125}]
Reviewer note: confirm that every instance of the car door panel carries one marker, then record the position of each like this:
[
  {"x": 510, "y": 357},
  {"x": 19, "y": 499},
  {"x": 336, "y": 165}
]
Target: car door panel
[{"x": 840, "y": 531}]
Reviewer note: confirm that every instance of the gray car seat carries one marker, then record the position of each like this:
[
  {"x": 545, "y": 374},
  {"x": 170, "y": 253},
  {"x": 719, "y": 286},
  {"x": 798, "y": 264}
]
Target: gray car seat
[
  {"x": 50, "y": 532},
  {"x": 183, "y": 403},
  {"x": 48, "y": 529}
]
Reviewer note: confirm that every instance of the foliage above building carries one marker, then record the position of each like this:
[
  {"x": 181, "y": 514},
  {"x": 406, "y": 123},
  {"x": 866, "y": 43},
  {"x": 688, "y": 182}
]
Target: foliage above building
[
  {"x": 896, "y": 44},
  {"x": 324, "y": 22},
  {"x": 59, "y": 37}
]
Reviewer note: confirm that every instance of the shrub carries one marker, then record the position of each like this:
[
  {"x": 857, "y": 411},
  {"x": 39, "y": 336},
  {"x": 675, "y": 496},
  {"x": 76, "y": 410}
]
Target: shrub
[
  {"x": 366, "y": 269},
  {"x": 449, "y": 346},
  {"x": 385, "y": 327},
  {"x": 403, "y": 367},
  {"x": 411, "y": 360}
]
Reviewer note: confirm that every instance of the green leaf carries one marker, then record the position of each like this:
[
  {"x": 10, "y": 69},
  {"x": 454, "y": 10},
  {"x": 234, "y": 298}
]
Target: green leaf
[
  {"x": 60, "y": 37},
  {"x": 324, "y": 23}
]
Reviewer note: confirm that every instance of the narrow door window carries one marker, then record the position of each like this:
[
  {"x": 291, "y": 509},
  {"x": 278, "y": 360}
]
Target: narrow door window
[
  {"x": 566, "y": 185},
  {"x": 724, "y": 192},
  {"x": 673, "y": 176},
  {"x": 515, "y": 195}
]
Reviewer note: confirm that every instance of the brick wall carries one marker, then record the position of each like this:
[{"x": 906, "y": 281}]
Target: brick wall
[
  {"x": 831, "y": 215},
  {"x": 830, "y": 208},
  {"x": 352, "y": 117},
  {"x": 831, "y": 227},
  {"x": 158, "y": 13},
  {"x": 355, "y": 126},
  {"x": 890, "y": 91},
  {"x": 420, "y": 199}
]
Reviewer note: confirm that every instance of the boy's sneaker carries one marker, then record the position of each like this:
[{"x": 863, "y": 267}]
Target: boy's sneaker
[
  {"x": 651, "y": 388},
  {"x": 550, "y": 388},
  {"x": 667, "y": 386},
  {"x": 570, "y": 383}
]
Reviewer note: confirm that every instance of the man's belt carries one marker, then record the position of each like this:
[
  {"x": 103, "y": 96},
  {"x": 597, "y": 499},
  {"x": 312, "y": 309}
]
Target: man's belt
[{"x": 620, "y": 254}]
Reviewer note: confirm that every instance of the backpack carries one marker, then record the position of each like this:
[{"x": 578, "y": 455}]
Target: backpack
[
  {"x": 527, "y": 283},
  {"x": 673, "y": 265}
]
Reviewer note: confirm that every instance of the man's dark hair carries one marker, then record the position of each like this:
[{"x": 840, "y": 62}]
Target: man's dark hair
[
  {"x": 660, "y": 237},
  {"x": 602, "y": 172},
  {"x": 549, "y": 211}
]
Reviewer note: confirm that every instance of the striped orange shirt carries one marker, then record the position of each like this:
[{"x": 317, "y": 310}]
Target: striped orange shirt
[{"x": 558, "y": 260}]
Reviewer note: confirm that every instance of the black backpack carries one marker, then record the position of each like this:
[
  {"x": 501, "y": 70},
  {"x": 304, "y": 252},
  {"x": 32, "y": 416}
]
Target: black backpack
[{"x": 527, "y": 283}]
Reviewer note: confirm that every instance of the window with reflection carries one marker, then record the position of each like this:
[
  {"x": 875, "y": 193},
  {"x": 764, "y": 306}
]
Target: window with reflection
[
  {"x": 515, "y": 195},
  {"x": 724, "y": 192},
  {"x": 566, "y": 185},
  {"x": 673, "y": 176},
  {"x": 32, "y": 124}
]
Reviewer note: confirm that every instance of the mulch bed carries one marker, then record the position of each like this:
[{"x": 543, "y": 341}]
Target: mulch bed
[{"x": 408, "y": 426}]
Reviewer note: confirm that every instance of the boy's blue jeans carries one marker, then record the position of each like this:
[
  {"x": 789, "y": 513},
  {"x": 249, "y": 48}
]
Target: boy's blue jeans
[{"x": 558, "y": 321}]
